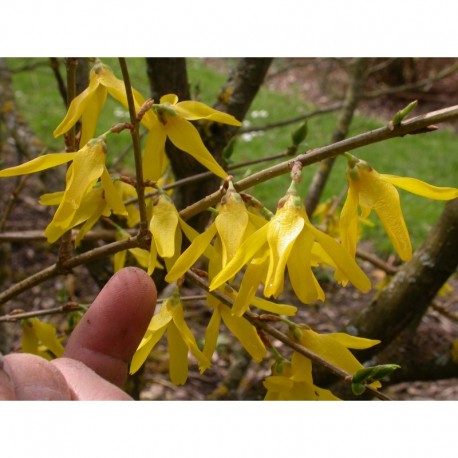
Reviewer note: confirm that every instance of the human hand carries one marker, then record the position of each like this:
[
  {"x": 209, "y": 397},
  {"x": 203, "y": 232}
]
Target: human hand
[{"x": 98, "y": 352}]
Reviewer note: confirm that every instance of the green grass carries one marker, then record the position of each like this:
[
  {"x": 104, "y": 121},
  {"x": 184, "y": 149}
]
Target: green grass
[{"x": 430, "y": 157}]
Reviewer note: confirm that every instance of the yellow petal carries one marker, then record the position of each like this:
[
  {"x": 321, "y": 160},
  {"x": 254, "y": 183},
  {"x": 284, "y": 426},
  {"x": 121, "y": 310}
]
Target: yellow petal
[
  {"x": 381, "y": 196},
  {"x": 211, "y": 334},
  {"x": 247, "y": 250},
  {"x": 119, "y": 260},
  {"x": 152, "y": 260},
  {"x": 38, "y": 164},
  {"x": 171, "y": 99},
  {"x": 278, "y": 383},
  {"x": 140, "y": 255},
  {"x": 421, "y": 188},
  {"x": 349, "y": 223},
  {"x": 91, "y": 208},
  {"x": 191, "y": 254},
  {"x": 86, "y": 168},
  {"x": 343, "y": 260},
  {"x": 279, "y": 309},
  {"x": 245, "y": 333},
  {"x": 117, "y": 88},
  {"x": 77, "y": 106},
  {"x": 52, "y": 198},
  {"x": 303, "y": 281},
  {"x": 178, "y": 355},
  {"x": 111, "y": 194},
  {"x": 144, "y": 349},
  {"x": 90, "y": 114},
  {"x": 47, "y": 335},
  {"x": 189, "y": 339},
  {"x": 301, "y": 368},
  {"x": 331, "y": 349},
  {"x": 163, "y": 317},
  {"x": 283, "y": 229},
  {"x": 163, "y": 226},
  {"x": 154, "y": 160},
  {"x": 97, "y": 212},
  {"x": 349, "y": 341},
  {"x": 250, "y": 282},
  {"x": 192, "y": 110},
  {"x": 186, "y": 138},
  {"x": 29, "y": 341},
  {"x": 231, "y": 223}
]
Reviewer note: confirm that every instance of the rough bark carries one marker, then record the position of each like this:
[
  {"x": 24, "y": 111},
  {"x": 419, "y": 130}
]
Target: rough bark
[
  {"x": 352, "y": 98},
  {"x": 405, "y": 300}
]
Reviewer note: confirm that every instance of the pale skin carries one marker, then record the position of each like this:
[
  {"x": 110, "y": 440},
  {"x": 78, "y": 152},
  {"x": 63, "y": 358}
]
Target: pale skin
[{"x": 98, "y": 353}]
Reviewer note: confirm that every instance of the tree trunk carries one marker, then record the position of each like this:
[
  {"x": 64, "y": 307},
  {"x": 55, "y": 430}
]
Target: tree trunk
[{"x": 405, "y": 300}]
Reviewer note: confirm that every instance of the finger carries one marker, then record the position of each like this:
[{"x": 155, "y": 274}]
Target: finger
[
  {"x": 85, "y": 385},
  {"x": 109, "y": 333},
  {"x": 32, "y": 378}
]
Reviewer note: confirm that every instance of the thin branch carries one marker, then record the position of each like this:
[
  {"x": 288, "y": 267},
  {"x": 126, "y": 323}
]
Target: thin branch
[
  {"x": 419, "y": 124},
  {"x": 377, "y": 262},
  {"x": 450, "y": 70},
  {"x": 12, "y": 200},
  {"x": 66, "y": 308},
  {"x": 137, "y": 147},
  {"x": 54, "y": 64},
  {"x": 56, "y": 269},
  {"x": 258, "y": 323},
  {"x": 334, "y": 107}
]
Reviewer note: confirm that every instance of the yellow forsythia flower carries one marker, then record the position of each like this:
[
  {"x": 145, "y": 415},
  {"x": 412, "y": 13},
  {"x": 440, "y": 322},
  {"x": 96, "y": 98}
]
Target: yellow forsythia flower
[
  {"x": 40, "y": 338},
  {"x": 166, "y": 227},
  {"x": 293, "y": 382},
  {"x": 240, "y": 327},
  {"x": 232, "y": 226},
  {"x": 170, "y": 119},
  {"x": 288, "y": 239},
  {"x": 334, "y": 348},
  {"x": 89, "y": 103},
  {"x": 88, "y": 165},
  {"x": 179, "y": 337},
  {"x": 373, "y": 191}
]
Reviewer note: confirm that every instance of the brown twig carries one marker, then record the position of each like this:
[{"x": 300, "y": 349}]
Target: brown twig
[
  {"x": 12, "y": 200},
  {"x": 66, "y": 308},
  {"x": 143, "y": 229},
  {"x": 410, "y": 126},
  {"x": 65, "y": 267}
]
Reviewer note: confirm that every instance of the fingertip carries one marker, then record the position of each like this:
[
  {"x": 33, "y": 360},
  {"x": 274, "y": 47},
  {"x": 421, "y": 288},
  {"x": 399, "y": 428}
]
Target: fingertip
[{"x": 109, "y": 333}]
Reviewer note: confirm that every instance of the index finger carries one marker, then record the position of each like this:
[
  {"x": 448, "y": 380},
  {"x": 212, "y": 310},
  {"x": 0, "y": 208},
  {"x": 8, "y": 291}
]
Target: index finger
[{"x": 109, "y": 333}]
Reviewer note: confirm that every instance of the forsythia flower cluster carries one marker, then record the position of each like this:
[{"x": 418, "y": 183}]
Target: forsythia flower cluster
[{"x": 239, "y": 238}]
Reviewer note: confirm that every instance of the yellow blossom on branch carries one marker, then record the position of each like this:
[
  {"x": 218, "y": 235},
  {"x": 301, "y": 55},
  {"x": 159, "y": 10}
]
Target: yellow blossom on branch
[
  {"x": 87, "y": 167},
  {"x": 166, "y": 227},
  {"x": 240, "y": 327},
  {"x": 40, "y": 338},
  {"x": 288, "y": 238},
  {"x": 170, "y": 119},
  {"x": 89, "y": 103},
  {"x": 369, "y": 191},
  {"x": 233, "y": 224},
  {"x": 293, "y": 382},
  {"x": 334, "y": 348},
  {"x": 180, "y": 341}
]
